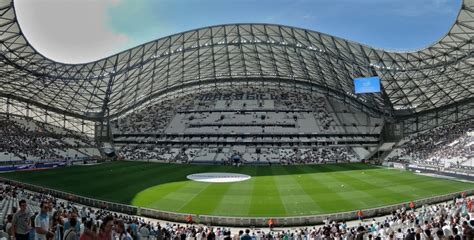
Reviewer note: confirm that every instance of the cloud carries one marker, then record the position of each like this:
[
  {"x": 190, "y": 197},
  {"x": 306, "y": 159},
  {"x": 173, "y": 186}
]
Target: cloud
[
  {"x": 69, "y": 31},
  {"x": 308, "y": 17}
]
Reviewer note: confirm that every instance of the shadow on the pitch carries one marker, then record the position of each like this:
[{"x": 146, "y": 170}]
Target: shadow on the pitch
[{"x": 122, "y": 181}]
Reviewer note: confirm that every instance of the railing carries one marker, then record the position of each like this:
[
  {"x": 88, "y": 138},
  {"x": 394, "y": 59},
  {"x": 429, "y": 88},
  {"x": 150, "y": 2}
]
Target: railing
[{"x": 232, "y": 221}]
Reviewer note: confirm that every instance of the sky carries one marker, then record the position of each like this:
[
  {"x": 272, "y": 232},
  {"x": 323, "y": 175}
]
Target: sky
[{"x": 79, "y": 31}]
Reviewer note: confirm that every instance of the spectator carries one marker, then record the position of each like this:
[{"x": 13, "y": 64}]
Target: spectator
[
  {"x": 42, "y": 223},
  {"x": 9, "y": 225},
  {"x": 90, "y": 231},
  {"x": 438, "y": 221},
  {"x": 246, "y": 235},
  {"x": 447, "y": 146},
  {"x": 21, "y": 222},
  {"x": 32, "y": 226},
  {"x": 105, "y": 231},
  {"x": 122, "y": 233},
  {"x": 73, "y": 215},
  {"x": 71, "y": 232},
  {"x": 144, "y": 232},
  {"x": 57, "y": 225},
  {"x": 467, "y": 231}
]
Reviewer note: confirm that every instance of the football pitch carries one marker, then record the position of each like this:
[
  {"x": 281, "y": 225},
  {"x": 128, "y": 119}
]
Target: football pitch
[{"x": 272, "y": 191}]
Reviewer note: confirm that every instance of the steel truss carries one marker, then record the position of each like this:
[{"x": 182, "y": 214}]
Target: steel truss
[{"x": 435, "y": 77}]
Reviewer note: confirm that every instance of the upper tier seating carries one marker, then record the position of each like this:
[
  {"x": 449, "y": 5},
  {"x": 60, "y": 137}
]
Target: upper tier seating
[
  {"x": 450, "y": 146},
  {"x": 26, "y": 139}
]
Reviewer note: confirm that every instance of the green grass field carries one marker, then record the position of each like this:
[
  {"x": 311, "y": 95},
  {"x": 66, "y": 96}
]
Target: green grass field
[{"x": 272, "y": 191}]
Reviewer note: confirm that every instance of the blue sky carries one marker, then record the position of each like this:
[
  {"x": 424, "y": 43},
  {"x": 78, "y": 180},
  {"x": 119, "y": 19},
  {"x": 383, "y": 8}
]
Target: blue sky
[
  {"x": 398, "y": 24},
  {"x": 111, "y": 26}
]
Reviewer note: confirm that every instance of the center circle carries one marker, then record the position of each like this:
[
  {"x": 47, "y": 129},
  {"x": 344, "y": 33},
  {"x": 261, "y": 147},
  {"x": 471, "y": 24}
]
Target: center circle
[{"x": 218, "y": 177}]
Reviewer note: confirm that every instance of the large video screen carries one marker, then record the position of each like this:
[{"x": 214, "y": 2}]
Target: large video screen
[{"x": 367, "y": 85}]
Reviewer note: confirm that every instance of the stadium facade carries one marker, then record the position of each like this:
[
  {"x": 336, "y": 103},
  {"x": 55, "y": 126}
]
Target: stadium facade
[{"x": 421, "y": 89}]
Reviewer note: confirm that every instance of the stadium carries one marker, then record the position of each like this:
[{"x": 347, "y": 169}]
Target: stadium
[{"x": 242, "y": 125}]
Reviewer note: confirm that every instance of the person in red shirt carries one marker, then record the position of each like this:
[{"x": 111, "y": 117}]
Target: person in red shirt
[
  {"x": 360, "y": 215},
  {"x": 105, "y": 231},
  {"x": 412, "y": 205},
  {"x": 89, "y": 231},
  {"x": 270, "y": 224},
  {"x": 189, "y": 219}
]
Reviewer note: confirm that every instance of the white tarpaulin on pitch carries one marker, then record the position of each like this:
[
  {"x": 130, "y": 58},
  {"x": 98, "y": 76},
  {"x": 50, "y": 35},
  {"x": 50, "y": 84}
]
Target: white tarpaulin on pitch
[{"x": 218, "y": 177}]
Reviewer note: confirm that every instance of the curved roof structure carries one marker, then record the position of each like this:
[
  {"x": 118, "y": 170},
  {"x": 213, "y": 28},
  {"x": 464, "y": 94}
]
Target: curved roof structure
[{"x": 429, "y": 78}]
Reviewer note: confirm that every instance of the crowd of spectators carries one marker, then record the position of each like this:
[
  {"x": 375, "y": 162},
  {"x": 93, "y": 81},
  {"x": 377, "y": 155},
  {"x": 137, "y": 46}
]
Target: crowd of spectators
[
  {"x": 449, "y": 145},
  {"x": 317, "y": 155},
  {"x": 28, "y": 139},
  {"x": 147, "y": 152},
  {"x": 59, "y": 219},
  {"x": 17, "y": 139},
  {"x": 157, "y": 117},
  {"x": 154, "y": 118},
  {"x": 295, "y": 155}
]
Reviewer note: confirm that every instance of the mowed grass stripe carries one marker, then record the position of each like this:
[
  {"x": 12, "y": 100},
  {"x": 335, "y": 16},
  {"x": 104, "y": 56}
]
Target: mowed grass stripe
[
  {"x": 100, "y": 181},
  {"x": 292, "y": 191},
  {"x": 210, "y": 195},
  {"x": 272, "y": 191},
  {"x": 348, "y": 190},
  {"x": 176, "y": 195},
  {"x": 414, "y": 185},
  {"x": 69, "y": 176},
  {"x": 164, "y": 197},
  {"x": 136, "y": 179},
  {"x": 326, "y": 190},
  {"x": 387, "y": 192},
  {"x": 404, "y": 185},
  {"x": 239, "y": 195},
  {"x": 396, "y": 182},
  {"x": 374, "y": 185},
  {"x": 266, "y": 199},
  {"x": 434, "y": 186},
  {"x": 171, "y": 194},
  {"x": 367, "y": 191}
]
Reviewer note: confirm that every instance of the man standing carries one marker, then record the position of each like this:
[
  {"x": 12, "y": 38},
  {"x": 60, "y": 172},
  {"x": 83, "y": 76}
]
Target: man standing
[
  {"x": 70, "y": 233},
  {"x": 360, "y": 215},
  {"x": 246, "y": 235},
  {"x": 270, "y": 224},
  {"x": 467, "y": 231},
  {"x": 42, "y": 223},
  {"x": 21, "y": 222},
  {"x": 73, "y": 215},
  {"x": 144, "y": 232}
]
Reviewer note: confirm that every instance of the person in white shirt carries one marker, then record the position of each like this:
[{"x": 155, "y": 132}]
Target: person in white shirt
[
  {"x": 82, "y": 227},
  {"x": 399, "y": 234},
  {"x": 42, "y": 223}
]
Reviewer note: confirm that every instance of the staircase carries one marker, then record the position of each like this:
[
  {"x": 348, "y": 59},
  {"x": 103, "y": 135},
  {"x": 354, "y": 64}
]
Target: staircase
[{"x": 381, "y": 151}]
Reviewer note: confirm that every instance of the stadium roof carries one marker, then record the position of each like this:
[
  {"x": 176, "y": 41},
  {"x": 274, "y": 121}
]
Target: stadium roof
[{"x": 428, "y": 78}]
